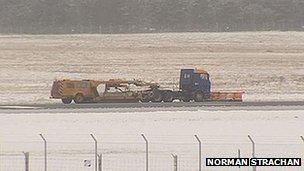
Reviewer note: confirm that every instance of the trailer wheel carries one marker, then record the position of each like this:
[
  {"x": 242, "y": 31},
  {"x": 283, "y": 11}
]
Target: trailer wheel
[
  {"x": 168, "y": 96},
  {"x": 79, "y": 98},
  {"x": 66, "y": 100},
  {"x": 199, "y": 97},
  {"x": 145, "y": 98},
  {"x": 186, "y": 99},
  {"x": 157, "y": 96}
]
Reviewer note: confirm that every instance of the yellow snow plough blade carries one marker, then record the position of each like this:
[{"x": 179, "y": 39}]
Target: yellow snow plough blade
[{"x": 227, "y": 96}]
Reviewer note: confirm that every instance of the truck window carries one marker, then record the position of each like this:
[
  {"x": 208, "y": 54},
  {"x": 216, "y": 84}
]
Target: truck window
[
  {"x": 81, "y": 85},
  {"x": 84, "y": 85},
  {"x": 204, "y": 76},
  {"x": 69, "y": 85},
  {"x": 77, "y": 85},
  {"x": 186, "y": 75}
]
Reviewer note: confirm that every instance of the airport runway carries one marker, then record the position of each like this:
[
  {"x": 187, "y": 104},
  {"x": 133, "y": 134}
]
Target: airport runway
[{"x": 142, "y": 107}]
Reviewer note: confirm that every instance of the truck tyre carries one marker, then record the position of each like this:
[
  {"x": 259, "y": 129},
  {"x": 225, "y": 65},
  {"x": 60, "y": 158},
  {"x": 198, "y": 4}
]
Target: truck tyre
[
  {"x": 145, "y": 98},
  {"x": 79, "y": 98},
  {"x": 199, "y": 97},
  {"x": 186, "y": 99},
  {"x": 157, "y": 96},
  {"x": 66, "y": 100},
  {"x": 168, "y": 96}
]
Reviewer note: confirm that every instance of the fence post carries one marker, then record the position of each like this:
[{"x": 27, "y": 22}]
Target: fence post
[
  {"x": 302, "y": 138},
  {"x": 45, "y": 152},
  {"x": 253, "y": 150},
  {"x": 174, "y": 161},
  {"x": 239, "y": 155},
  {"x": 147, "y": 151},
  {"x": 96, "y": 155},
  {"x": 100, "y": 162},
  {"x": 27, "y": 160},
  {"x": 199, "y": 153}
]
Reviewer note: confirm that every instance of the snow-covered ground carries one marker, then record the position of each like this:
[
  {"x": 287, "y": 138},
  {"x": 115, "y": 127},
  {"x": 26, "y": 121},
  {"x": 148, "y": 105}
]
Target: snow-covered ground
[
  {"x": 266, "y": 65},
  {"x": 276, "y": 133}
]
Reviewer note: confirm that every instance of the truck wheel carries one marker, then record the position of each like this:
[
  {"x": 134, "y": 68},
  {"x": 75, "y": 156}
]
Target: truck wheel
[
  {"x": 145, "y": 98},
  {"x": 168, "y": 96},
  {"x": 157, "y": 96},
  {"x": 186, "y": 99},
  {"x": 79, "y": 98},
  {"x": 67, "y": 100},
  {"x": 199, "y": 97}
]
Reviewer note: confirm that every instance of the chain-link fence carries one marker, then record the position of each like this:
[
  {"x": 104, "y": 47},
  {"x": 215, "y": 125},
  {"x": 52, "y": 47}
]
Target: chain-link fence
[{"x": 143, "y": 152}]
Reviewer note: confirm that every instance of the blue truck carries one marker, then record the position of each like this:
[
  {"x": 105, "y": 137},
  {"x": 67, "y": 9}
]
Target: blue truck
[{"x": 194, "y": 85}]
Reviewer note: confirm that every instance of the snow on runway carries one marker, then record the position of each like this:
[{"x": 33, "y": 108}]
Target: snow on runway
[{"x": 277, "y": 134}]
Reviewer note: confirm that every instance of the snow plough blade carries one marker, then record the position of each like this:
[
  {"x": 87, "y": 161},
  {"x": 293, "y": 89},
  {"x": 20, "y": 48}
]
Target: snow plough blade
[{"x": 227, "y": 96}]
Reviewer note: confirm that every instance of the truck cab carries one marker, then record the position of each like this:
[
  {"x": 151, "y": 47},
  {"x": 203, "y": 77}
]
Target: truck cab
[{"x": 194, "y": 84}]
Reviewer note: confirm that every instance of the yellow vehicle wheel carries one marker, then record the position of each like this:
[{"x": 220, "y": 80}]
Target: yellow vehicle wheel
[
  {"x": 79, "y": 98},
  {"x": 66, "y": 100}
]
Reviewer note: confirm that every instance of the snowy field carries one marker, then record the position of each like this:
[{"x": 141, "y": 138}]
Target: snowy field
[
  {"x": 276, "y": 134},
  {"x": 267, "y": 66}
]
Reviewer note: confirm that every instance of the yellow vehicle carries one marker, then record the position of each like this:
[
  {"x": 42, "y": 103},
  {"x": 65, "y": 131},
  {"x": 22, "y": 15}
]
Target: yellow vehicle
[{"x": 113, "y": 90}]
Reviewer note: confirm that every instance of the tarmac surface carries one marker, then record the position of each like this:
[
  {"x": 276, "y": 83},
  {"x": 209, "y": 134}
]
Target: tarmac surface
[{"x": 142, "y": 107}]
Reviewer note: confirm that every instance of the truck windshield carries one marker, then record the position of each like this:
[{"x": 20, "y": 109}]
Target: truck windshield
[{"x": 204, "y": 76}]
